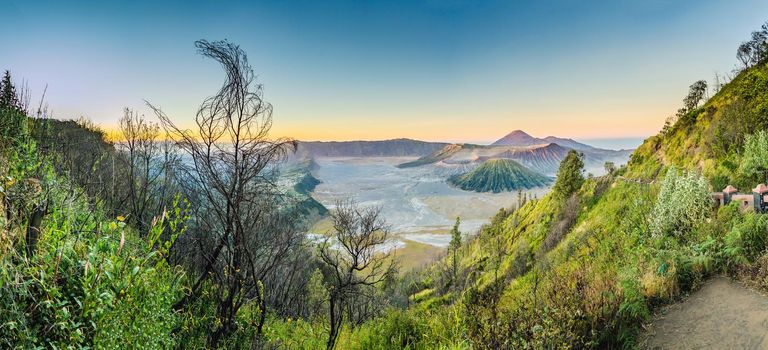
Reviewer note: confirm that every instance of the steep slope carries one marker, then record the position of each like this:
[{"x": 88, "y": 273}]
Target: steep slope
[
  {"x": 386, "y": 148},
  {"x": 499, "y": 175}
]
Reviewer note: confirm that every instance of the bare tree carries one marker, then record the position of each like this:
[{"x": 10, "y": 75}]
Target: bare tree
[
  {"x": 146, "y": 162},
  {"x": 228, "y": 175},
  {"x": 353, "y": 259}
]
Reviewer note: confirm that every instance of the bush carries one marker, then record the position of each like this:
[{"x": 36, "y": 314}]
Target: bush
[
  {"x": 747, "y": 240},
  {"x": 683, "y": 202}
]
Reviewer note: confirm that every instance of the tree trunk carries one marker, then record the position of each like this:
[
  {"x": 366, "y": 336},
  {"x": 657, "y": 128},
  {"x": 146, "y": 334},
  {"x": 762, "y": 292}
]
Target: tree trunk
[
  {"x": 336, "y": 317},
  {"x": 33, "y": 229}
]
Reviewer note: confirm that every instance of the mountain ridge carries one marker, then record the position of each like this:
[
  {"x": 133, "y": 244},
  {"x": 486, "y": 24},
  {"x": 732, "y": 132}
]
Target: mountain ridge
[
  {"x": 407, "y": 147},
  {"x": 544, "y": 158}
]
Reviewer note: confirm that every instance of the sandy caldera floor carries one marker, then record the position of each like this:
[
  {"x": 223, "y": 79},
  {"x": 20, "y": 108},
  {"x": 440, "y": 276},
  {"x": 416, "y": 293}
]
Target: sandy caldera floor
[
  {"x": 420, "y": 206},
  {"x": 721, "y": 315}
]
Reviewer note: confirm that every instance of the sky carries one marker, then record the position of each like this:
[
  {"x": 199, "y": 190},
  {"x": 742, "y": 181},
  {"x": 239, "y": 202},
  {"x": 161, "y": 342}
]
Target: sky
[{"x": 452, "y": 70}]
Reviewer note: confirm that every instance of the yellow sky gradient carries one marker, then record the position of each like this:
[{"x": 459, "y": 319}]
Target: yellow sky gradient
[{"x": 587, "y": 123}]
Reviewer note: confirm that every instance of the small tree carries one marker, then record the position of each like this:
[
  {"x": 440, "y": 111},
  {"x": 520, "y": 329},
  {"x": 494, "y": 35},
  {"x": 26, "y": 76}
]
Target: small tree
[
  {"x": 759, "y": 44},
  {"x": 610, "y": 168},
  {"x": 13, "y": 120},
  {"x": 353, "y": 260},
  {"x": 454, "y": 247},
  {"x": 570, "y": 175},
  {"x": 744, "y": 54},
  {"x": 754, "y": 51},
  {"x": 683, "y": 202},
  {"x": 696, "y": 93},
  {"x": 9, "y": 99}
]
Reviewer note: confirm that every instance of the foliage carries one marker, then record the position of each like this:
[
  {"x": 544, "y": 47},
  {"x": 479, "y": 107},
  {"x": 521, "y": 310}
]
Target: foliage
[
  {"x": 13, "y": 121},
  {"x": 570, "y": 175},
  {"x": 696, "y": 93},
  {"x": 9, "y": 97},
  {"x": 754, "y": 163},
  {"x": 92, "y": 282},
  {"x": 454, "y": 246},
  {"x": 684, "y": 201}
]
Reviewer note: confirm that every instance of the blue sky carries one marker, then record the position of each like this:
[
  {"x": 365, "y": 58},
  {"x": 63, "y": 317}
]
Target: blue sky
[{"x": 435, "y": 70}]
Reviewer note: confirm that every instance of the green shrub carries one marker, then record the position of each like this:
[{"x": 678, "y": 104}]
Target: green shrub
[{"x": 683, "y": 202}]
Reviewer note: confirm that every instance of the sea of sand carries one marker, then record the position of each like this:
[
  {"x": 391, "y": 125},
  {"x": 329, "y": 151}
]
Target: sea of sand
[{"x": 419, "y": 205}]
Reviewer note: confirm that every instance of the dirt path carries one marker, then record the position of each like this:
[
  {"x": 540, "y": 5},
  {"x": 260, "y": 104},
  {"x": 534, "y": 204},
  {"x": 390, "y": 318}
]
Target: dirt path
[{"x": 721, "y": 315}]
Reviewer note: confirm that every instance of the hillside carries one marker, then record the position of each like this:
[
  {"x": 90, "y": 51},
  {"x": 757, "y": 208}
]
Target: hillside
[
  {"x": 586, "y": 267},
  {"x": 710, "y": 138},
  {"x": 499, "y": 175},
  {"x": 385, "y": 148},
  {"x": 298, "y": 183}
]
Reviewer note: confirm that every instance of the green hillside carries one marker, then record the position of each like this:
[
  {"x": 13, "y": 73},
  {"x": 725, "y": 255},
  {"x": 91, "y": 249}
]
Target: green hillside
[
  {"x": 499, "y": 175},
  {"x": 585, "y": 268},
  {"x": 711, "y": 137}
]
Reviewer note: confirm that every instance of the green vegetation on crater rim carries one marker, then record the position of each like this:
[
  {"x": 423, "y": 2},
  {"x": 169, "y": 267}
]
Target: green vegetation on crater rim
[{"x": 499, "y": 175}]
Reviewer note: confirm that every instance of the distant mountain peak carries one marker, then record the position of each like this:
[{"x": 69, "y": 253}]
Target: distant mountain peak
[
  {"x": 519, "y": 132},
  {"x": 517, "y": 138}
]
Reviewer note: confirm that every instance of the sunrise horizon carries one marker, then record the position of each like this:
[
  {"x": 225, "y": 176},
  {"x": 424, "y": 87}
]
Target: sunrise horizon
[{"x": 431, "y": 71}]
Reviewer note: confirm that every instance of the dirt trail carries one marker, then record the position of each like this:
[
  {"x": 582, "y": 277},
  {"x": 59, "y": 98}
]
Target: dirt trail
[{"x": 721, "y": 315}]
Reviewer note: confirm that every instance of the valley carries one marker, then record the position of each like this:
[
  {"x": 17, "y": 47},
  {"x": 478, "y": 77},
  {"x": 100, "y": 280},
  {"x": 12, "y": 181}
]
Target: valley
[{"x": 418, "y": 201}]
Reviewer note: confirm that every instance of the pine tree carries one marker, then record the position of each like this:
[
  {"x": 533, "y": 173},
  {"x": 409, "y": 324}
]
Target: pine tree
[
  {"x": 13, "y": 121},
  {"x": 8, "y": 97}
]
